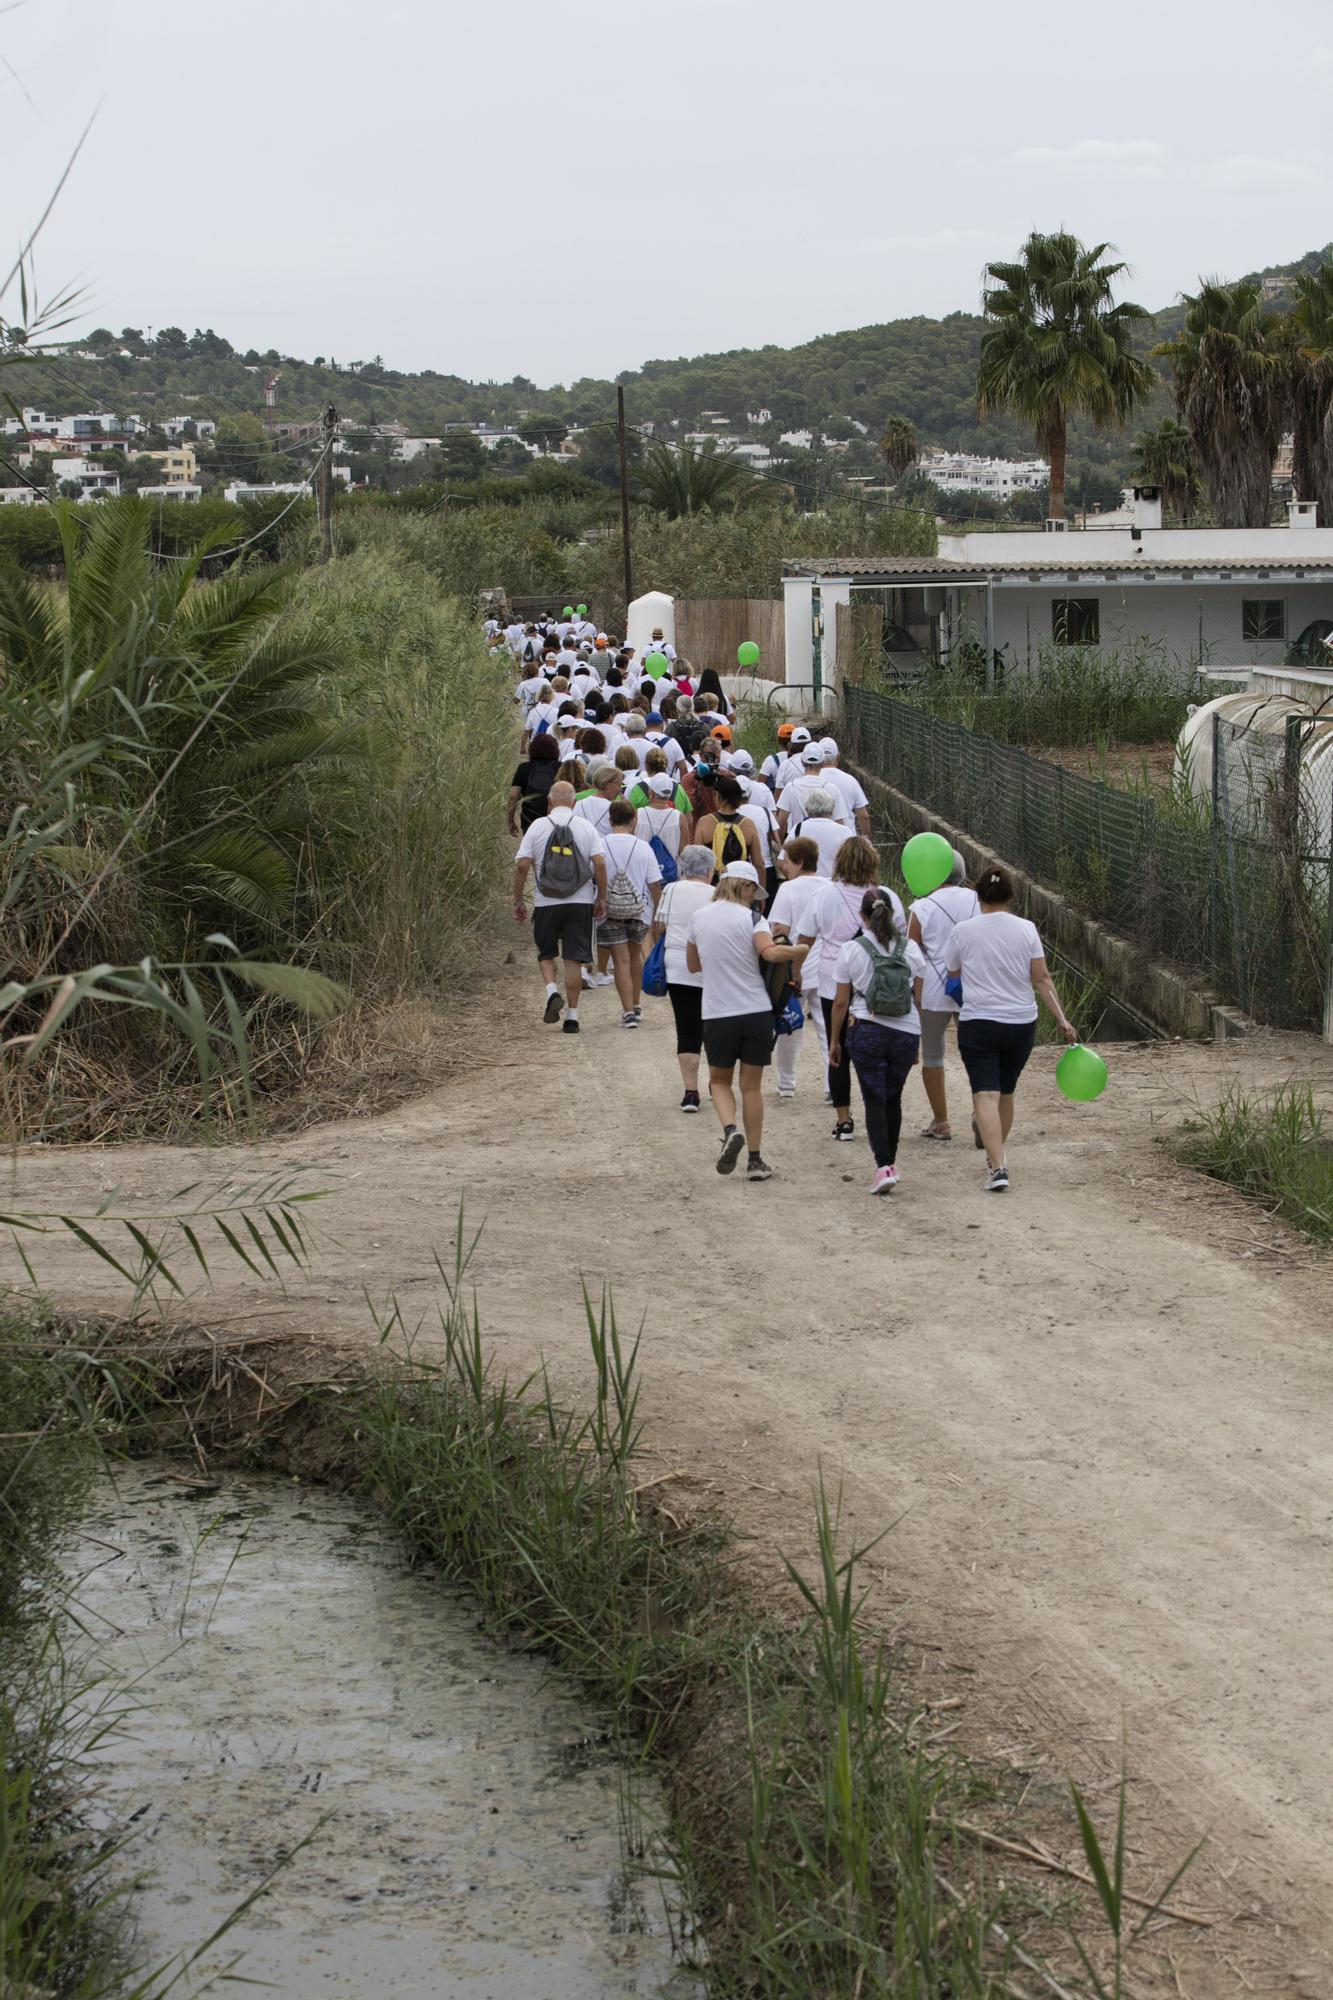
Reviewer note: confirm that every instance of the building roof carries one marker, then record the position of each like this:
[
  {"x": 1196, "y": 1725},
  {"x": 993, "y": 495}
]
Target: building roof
[{"x": 895, "y": 569}]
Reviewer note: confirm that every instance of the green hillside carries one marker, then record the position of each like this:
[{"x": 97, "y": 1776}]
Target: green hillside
[{"x": 923, "y": 369}]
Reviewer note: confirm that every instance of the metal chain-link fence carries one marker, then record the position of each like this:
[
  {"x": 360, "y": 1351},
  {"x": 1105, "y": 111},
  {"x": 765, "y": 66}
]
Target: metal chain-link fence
[{"x": 1234, "y": 886}]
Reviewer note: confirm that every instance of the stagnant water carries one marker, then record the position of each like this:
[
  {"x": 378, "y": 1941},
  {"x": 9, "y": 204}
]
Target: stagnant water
[{"x": 293, "y": 1680}]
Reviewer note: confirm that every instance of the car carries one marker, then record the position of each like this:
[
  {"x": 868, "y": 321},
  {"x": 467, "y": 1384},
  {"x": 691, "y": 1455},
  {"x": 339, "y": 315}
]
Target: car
[{"x": 1311, "y": 649}]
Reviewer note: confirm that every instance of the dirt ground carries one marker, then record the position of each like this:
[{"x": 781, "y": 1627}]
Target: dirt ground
[
  {"x": 1136, "y": 767},
  {"x": 1093, "y": 1414}
]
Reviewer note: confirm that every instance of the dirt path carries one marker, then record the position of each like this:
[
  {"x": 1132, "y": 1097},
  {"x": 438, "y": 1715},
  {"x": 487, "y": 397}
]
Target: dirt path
[{"x": 1096, "y": 1410}]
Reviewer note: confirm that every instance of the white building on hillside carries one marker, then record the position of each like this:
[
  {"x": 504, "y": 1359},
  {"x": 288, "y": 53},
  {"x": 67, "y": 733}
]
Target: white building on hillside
[
  {"x": 996, "y": 478},
  {"x": 1209, "y": 597},
  {"x": 177, "y": 491},
  {"x": 85, "y": 473}
]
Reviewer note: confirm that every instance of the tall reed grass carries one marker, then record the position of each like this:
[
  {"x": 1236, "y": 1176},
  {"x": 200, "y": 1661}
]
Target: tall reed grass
[{"x": 1068, "y": 695}]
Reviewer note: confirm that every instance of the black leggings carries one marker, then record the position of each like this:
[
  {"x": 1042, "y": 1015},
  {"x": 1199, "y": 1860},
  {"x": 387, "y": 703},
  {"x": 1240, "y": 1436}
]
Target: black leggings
[
  {"x": 883, "y": 1059},
  {"x": 839, "y": 1075}
]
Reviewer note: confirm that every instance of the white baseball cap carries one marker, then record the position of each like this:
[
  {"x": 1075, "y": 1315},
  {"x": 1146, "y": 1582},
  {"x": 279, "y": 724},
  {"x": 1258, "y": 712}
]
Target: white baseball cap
[
  {"x": 741, "y": 871},
  {"x": 741, "y": 760},
  {"x": 829, "y": 748},
  {"x": 661, "y": 786},
  {"x": 800, "y": 735},
  {"x": 812, "y": 755}
]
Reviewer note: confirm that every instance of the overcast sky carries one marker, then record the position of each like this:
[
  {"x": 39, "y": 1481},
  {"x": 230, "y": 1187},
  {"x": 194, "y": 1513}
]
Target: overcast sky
[{"x": 493, "y": 187}]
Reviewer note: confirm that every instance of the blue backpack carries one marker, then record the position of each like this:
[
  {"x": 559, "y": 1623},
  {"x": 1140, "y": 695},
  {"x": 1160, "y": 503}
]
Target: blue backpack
[{"x": 666, "y": 860}]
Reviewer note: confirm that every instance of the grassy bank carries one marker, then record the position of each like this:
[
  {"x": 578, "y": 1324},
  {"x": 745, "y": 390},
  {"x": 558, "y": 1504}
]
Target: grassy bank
[{"x": 1277, "y": 1150}]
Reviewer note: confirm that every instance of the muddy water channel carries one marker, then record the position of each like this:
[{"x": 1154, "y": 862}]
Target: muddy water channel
[{"x": 293, "y": 1681}]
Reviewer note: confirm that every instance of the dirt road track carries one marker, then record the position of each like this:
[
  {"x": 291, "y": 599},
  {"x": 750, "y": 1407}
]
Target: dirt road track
[{"x": 1097, "y": 1410}]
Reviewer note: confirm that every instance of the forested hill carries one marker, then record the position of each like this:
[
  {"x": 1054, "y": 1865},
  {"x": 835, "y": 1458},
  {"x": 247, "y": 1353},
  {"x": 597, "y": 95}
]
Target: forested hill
[{"x": 923, "y": 369}]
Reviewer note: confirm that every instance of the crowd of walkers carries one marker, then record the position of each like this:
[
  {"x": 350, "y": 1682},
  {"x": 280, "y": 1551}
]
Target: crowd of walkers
[{"x": 752, "y": 900}]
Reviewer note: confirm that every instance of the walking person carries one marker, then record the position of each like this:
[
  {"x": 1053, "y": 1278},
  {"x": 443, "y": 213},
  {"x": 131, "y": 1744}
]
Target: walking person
[
  {"x": 568, "y": 864},
  {"x": 798, "y": 866},
  {"x": 999, "y": 957},
  {"x": 530, "y": 791},
  {"x": 731, "y": 834},
  {"x": 728, "y": 944},
  {"x": 680, "y": 902},
  {"x": 876, "y": 1021},
  {"x": 931, "y": 922},
  {"x": 832, "y": 919},
  {"x": 633, "y": 885}
]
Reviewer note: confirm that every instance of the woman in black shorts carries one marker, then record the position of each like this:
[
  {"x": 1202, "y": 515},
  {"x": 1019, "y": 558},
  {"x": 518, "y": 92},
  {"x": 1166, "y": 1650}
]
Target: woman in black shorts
[
  {"x": 1000, "y": 959},
  {"x": 727, "y": 943},
  {"x": 681, "y": 901}
]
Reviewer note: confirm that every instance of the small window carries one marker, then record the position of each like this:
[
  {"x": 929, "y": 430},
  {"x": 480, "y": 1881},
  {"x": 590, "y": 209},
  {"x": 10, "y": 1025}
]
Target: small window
[
  {"x": 1263, "y": 618},
  {"x": 1075, "y": 621}
]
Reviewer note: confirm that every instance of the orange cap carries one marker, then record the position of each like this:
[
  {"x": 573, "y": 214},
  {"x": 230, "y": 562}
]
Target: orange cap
[
  {"x": 785, "y": 730},
  {"x": 722, "y": 732}
]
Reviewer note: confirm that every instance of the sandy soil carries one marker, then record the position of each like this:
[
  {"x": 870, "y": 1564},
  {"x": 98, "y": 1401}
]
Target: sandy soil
[{"x": 1093, "y": 1414}]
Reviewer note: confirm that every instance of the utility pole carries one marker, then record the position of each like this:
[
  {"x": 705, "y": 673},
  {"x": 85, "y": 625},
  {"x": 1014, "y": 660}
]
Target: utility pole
[
  {"x": 624, "y": 496},
  {"x": 324, "y": 481}
]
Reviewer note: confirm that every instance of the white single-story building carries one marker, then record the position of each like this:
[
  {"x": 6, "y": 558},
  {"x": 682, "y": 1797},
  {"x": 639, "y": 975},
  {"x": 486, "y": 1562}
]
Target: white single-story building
[
  {"x": 1209, "y": 597},
  {"x": 180, "y": 490}
]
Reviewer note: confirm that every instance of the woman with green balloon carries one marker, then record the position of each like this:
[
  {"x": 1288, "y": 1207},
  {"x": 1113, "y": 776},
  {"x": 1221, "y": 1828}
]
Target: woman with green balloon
[{"x": 1000, "y": 960}]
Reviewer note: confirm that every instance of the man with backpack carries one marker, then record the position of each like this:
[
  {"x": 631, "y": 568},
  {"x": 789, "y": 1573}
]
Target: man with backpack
[
  {"x": 568, "y": 860},
  {"x": 633, "y": 885}
]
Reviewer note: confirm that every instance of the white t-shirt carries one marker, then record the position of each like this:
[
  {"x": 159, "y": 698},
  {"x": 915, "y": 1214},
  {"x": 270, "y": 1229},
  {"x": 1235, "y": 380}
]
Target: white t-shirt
[
  {"x": 627, "y": 854},
  {"x": 665, "y": 822},
  {"x": 789, "y": 770},
  {"x": 584, "y": 677},
  {"x": 848, "y": 787},
  {"x": 756, "y": 811},
  {"x": 566, "y": 659},
  {"x": 724, "y": 934},
  {"x": 790, "y": 905},
  {"x": 660, "y": 646},
  {"x": 834, "y": 916},
  {"x": 675, "y": 756},
  {"x": 542, "y": 711},
  {"x": 856, "y": 969},
  {"x": 533, "y": 846},
  {"x": 828, "y": 836},
  {"x": 681, "y": 901},
  {"x": 613, "y": 736},
  {"x": 938, "y": 915},
  {"x": 994, "y": 954},
  {"x": 527, "y": 691},
  {"x": 596, "y": 811},
  {"x": 792, "y": 800}
]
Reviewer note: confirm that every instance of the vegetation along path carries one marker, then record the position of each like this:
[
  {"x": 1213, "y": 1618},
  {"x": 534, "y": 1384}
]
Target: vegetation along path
[{"x": 1093, "y": 1415}]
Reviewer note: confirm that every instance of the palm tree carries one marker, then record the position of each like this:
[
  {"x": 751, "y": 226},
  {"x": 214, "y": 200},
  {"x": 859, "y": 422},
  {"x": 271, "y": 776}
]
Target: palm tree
[
  {"x": 899, "y": 445},
  {"x": 1230, "y": 375},
  {"x": 1311, "y": 388},
  {"x": 689, "y": 479},
  {"x": 1166, "y": 459},
  {"x": 189, "y": 721},
  {"x": 1057, "y": 345}
]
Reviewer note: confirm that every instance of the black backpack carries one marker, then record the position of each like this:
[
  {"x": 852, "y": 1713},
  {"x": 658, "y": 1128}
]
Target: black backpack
[{"x": 533, "y": 805}]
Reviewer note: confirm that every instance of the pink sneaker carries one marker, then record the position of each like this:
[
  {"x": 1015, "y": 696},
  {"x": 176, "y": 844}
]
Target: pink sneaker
[{"x": 885, "y": 1181}]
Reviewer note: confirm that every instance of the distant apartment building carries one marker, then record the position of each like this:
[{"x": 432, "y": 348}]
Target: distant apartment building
[
  {"x": 180, "y": 491},
  {"x": 996, "y": 478},
  {"x": 241, "y": 489},
  {"x": 87, "y": 475},
  {"x": 412, "y": 447},
  {"x": 176, "y": 427},
  {"x": 797, "y": 440},
  {"x": 179, "y": 464}
]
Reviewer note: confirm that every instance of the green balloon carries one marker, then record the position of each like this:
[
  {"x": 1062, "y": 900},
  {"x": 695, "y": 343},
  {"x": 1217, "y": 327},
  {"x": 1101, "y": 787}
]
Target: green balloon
[
  {"x": 1081, "y": 1074},
  {"x": 748, "y": 654},
  {"x": 656, "y": 664},
  {"x": 568, "y": 611},
  {"x": 582, "y": 610},
  {"x": 927, "y": 862}
]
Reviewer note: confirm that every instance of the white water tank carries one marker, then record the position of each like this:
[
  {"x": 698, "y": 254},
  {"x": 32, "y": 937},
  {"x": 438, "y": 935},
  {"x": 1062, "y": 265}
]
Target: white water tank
[
  {"x": 1255, "y": 765},
  {"x": 654, "y": 608}
]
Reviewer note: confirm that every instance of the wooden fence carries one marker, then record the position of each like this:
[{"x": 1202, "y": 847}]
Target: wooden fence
[{"x": 709, "y": 629}]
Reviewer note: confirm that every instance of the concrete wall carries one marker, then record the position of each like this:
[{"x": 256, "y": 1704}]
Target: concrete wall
[{"x": 1178, "y": 616}]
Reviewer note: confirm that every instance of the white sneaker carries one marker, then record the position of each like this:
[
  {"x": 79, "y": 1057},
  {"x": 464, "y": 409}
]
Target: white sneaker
[
  {"x": 786, "y": 1096},
  {"x": 885, "y": 1181},
  {"x": 604, "y": 979},
  {"x": 997, "y": 1181}
]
